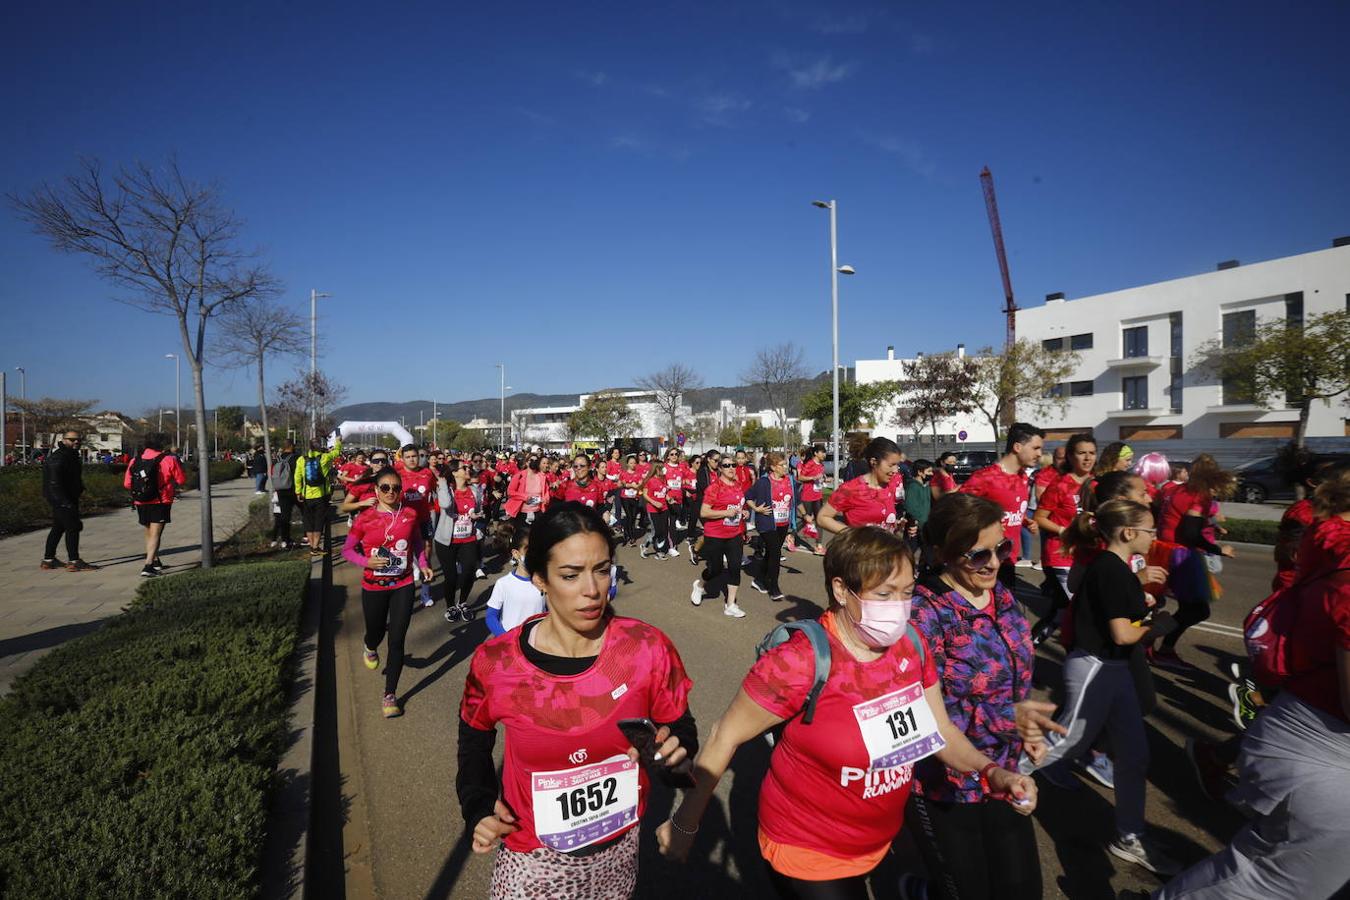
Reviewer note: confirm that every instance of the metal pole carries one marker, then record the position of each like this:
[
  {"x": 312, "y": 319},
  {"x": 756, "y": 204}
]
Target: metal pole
[
  {"x": 834, "y": 325},
  {"x": 501, "y": 415},
  {"x": 23, "y": 414},
  {"x": 313, "y": 359},
  {"x": 215, "y": 429},
  {"x": 433, "y": 424},
  {"x": 4, "y": 419},
  {"x": 178, "y": 402}
]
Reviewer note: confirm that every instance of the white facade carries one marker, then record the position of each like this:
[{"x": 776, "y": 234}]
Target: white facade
[
  {"x": 1137, "y": 377},
  {"x": 870, "y": 371},
  {"x": 547, "y": 426}
]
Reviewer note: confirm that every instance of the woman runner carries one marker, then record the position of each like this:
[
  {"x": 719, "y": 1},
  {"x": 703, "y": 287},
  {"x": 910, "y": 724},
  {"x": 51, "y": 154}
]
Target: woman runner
[
  {"x": 572, "y": 792},
  {"x": 456, "y": 538},
  {"x": 867, "y": 499},
  {"x": 722, "y": 513},
  {"x": 811, "y": 474},
  {"x": 654, "y": 494},
  {"x": 386, "y": 542},
  {"x": 771, "y": 499}
]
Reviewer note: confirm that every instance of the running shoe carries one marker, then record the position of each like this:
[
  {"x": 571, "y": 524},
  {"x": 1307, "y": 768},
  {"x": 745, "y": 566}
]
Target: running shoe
[
  {"x": 820, "y": 550},
  {"x": 451, "y": 614},
  {"x": 158, "y": 564},
  {"x": 50, "y": 565},
  {"x": 1142, "y": 851},
  {"x": 642, "y": 551},
  {"x": 149, "y": 572},
  {"x": 696, "y": 595},
  {"x": 275, "y": 544},
  {"x": 790, "y": 545},
  {"x": 1212, "y": 775},
  {"x": 1167, "y": 658},
  {"x": 912, "y": 887},
  {"x": 1246, "y": 702},
  {"x": 79, "y": 565},
  {"x": 777, "y": 598},
  {"x": 389, "y": 704},
  {"x": 480, "y": 573},
  {"x": 734, "y": 611},
  {"x": 426, "y": 596},
  {"x": 1101, "y": 769},
  {"x": 756, "y": 585},
  {"x": 371, "y": 657},
  {"x": 674, "y": 551}
]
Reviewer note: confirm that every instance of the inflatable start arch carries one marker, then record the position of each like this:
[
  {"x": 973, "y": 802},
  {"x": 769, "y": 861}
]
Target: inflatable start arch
[{"x": 351, "y": 429}]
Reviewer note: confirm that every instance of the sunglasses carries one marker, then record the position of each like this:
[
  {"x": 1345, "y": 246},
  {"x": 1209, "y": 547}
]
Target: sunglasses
[
  {"x": 978, "y": 559},
  {"x": 727, "y": 466},
  {"x": 388, "y": 488},
  {"x": 581, "y": 465}
]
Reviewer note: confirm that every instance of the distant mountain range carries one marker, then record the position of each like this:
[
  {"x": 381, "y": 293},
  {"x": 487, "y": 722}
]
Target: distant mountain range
[{"x": 701, "y": 400}]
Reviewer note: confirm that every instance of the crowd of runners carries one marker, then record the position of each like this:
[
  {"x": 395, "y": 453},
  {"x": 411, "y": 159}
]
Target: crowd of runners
[{"x": 907, "y": 704}]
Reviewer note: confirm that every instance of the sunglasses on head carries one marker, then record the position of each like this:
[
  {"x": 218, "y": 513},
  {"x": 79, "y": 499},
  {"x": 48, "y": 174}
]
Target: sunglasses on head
[
  {"x": 978, "y": 559},
  {"x": 389, "y": 487}
]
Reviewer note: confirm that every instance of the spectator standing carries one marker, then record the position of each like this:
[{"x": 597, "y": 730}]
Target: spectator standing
[
  {"x": 153, "y": 478},
  {"x": 62, "y": 485},
  {"x": 312, "y": 478},
  {"x": 257, "y": 467},
  {"x": 283, "y": 489}
]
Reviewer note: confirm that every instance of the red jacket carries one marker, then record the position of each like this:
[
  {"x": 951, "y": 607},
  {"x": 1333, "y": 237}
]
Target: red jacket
[{"x": 171, "y": 476}]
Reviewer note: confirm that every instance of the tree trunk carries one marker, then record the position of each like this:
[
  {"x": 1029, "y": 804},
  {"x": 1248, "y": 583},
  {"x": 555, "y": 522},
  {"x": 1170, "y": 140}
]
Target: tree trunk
[
  {"x": 262, "y": 409},
  {"x": 208, "y": 554},
  {"x": 1304, "y": 411}
]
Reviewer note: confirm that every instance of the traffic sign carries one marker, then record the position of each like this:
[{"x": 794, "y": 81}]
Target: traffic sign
[
  {"x": 961, "y": 435},
  {"x": 679, "y": 438}
]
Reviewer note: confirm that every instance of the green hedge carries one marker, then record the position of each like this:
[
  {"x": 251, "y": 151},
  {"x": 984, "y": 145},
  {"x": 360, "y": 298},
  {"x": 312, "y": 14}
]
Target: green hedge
[
  {"x": 137, "y": 760},
  {"x": 1250, "y": 531},
  {"x": 24, "y": 509}
]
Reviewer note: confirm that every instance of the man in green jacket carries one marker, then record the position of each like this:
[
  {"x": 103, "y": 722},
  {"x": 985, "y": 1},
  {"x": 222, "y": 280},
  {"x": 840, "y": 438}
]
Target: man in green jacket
[
  {"x": 313, "y": 480},
  {"x": 919, "y": 500}
]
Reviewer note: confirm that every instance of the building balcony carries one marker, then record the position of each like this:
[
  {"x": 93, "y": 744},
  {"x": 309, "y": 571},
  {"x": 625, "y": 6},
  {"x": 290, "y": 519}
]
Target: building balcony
[
  {"x": 1151, "y": 412},
  {"x": 1136, "y": 362},
  {"x": 1253, "y": 409}
]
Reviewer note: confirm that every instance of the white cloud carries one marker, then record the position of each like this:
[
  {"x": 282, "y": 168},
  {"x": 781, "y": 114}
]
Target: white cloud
[
  {"x": 815, "y": 74},
  {"x": 909, "y": 152},
  {"x": 720, "y": 109},
  {"x": 593, "y": 78},
  {"x": 627, "y": 142},
  {"x": 796, "y": 115},
  {"x": 856, "y": 23}
]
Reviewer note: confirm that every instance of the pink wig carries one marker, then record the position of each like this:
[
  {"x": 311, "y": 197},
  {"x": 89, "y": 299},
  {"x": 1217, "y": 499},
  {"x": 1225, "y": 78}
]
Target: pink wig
[{"x": 1153, "y": 468}]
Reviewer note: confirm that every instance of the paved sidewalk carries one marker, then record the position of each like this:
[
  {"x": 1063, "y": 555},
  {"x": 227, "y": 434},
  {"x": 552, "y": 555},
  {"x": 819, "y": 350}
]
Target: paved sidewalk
[{"x": 39, "y": 610}]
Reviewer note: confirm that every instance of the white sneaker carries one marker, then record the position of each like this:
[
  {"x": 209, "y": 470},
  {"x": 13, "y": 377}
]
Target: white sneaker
[
  {"x": 731, "y": 609},
  {"x": 755, "y": 584},
  {"x": 696, "y": 595},
  {"x": 1142, "y": 851},
  {"x": 480, "y": 574},
  {"x": 642, "y": 551},
  {"x": 674, "y": 552},
  {"x": 274, "y": 544}
]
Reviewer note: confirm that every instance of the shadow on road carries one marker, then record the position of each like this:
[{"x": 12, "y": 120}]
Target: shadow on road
[{"x": 50, "y": 637}]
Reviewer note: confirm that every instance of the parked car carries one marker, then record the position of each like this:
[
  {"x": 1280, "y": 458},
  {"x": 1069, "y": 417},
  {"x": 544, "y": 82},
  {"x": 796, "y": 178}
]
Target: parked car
[
  {"x": 1260, "y": 479},
  {"x": 968, "y": 461}
]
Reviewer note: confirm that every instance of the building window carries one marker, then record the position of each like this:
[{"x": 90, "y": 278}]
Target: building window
[
  {"x": 1056, "y": 391},
  {"x": 1080, "y": 388},
  {"x": 1293, "y": 309},
  {"x": 1056, "y": 344},
  {"x": 1174, "y": 388},
  {"x": 1081, "y": 342},
  {"x": 1239, "y": 329},
  {"x": 1135, "y": 342},
  {"x": 1135, "y": 392}
]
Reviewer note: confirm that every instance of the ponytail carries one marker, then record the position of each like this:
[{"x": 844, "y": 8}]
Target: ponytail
[{"x": 1090, "y": 529}]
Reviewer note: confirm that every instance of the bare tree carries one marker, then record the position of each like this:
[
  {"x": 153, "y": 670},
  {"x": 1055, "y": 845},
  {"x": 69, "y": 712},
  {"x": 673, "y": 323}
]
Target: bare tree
[
  {"x": 169, "y": 245},
  {"x": 935, "y": 388},
  {"x": 48, "y": 415},
  {"x": 669, "y": 386},
  {"x": 295, "y": 397},
  {"x": 780, "y": 374},
  {"x": 1025, "y": 376},
  {"x": 251, "y": 331}
]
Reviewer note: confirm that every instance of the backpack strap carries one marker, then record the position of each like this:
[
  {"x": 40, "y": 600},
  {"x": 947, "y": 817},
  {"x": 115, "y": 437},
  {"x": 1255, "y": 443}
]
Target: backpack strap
[
  {"x": 820, "y": 649},
  {"x": 918, "y": 646}
]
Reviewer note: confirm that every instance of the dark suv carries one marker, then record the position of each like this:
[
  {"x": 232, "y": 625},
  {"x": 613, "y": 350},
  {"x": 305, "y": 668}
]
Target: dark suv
[
  {"x": 968, "y": 461},
  {"x": 1261, "y": 480}
]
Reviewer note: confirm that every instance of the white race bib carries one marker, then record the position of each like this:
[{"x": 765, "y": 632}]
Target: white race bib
[
  {"x": 674, "y": 483},
  {"x": 398, "y": 564},
  {"x": 736, "y": 519},
  {"x": 630, "y": 493},
  {"x": 898, "y": 728},
  {"x": 463, "y": 527},
  {"x": 780, "y": 511},
  {"x": 574, "y": 808}
]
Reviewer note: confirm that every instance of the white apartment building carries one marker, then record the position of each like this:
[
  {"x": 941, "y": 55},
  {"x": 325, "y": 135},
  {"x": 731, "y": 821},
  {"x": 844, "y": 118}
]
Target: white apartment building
[
  {"x": 1138, "y": 379},
  {"x": 547, "y": 426},
  {"x": 974, "y": 426}
]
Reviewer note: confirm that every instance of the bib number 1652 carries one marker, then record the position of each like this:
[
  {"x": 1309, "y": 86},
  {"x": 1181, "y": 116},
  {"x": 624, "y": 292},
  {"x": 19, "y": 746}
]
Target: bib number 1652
[{"x": 589, "y": 799}]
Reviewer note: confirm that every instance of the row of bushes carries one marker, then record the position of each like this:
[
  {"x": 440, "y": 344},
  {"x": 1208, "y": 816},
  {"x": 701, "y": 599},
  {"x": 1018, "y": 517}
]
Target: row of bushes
[
  {"x": 138, "y": 760},
  {"x": 1251, "y": 531},
  {"x": 24, "y": 509}
]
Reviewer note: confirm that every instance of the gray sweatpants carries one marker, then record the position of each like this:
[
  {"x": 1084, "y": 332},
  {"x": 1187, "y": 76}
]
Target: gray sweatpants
[
  {"x": 1101, "y": 694},
  {"x": 1295, "y": 776}
]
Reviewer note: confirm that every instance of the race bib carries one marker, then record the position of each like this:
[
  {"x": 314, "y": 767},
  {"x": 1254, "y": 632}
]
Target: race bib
[
  {"x": 398, "y": 564},
  {"x": 574, "y": 808},
  {"x": 532, "y": 501},
  {"x": 463, "y": 527},
  {"x": 630, "y": 493},
  {"x": 674, "y": 483},
  {"x": 898, "y": 728},
  {"x": 780, "y": 511},
  {"x": 736, "y": 519}
]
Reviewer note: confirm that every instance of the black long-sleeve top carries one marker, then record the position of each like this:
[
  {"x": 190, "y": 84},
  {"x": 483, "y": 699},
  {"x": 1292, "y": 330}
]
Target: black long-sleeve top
[{"x": 63, "y": 477}]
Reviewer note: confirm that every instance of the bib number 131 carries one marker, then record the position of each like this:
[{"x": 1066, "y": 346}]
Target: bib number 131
[{"x": 901, "y": 723}]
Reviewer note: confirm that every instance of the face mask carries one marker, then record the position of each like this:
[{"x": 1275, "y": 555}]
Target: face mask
[{"x": 882, "y": 622}]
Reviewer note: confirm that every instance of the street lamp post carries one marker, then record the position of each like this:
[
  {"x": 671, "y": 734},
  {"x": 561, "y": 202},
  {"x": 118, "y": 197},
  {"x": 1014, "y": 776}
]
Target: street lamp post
[
  {"x": 835, "y": 271},
  {"x": 501, "y": 428},
  {"x": 177, "y": 401},
  {"x": 23, "y": 415},
  {"x": 314, "y": 359}
]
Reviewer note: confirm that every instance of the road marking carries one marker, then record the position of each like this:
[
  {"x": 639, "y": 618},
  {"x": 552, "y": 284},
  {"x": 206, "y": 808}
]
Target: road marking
[{"x": 1215, "y": 628}]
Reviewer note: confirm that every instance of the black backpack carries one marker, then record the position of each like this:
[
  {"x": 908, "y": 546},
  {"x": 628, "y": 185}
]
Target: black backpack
[{"x": 145, "y": 479}]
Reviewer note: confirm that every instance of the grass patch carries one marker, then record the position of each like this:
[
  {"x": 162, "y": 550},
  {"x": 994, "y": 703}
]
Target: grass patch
[
  {"x": 1250, "y": 531},
  {"x": 24, "y": 509},
  {"x": 138, "y": 760}
]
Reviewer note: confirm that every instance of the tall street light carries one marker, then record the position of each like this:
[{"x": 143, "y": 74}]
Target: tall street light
[
  {"x": 835, "y": 271},
  {"x": 23, "y": 416},
  {"x": 502, "y": 414},
  {"x": 177, "y": 400},
  {"x": 314, "y": 358}
]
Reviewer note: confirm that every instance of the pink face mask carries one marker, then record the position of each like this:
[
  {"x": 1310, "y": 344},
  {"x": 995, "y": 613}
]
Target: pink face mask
[{"x": 882, "y": 621}]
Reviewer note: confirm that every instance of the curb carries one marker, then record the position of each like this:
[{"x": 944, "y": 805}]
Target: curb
[{"x": 286, "y": 849}]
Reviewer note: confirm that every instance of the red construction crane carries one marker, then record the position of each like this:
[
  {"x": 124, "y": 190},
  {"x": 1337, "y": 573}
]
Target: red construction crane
[{"x": 1010, "y": 306}]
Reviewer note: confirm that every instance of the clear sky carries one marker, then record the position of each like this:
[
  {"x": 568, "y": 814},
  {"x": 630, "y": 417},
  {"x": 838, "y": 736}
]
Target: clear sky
[{"x": 589, "y": 191}]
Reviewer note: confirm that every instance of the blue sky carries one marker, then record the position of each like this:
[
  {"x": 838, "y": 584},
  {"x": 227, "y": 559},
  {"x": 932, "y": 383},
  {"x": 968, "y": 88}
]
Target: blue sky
[{"x": 589, "y": 191}]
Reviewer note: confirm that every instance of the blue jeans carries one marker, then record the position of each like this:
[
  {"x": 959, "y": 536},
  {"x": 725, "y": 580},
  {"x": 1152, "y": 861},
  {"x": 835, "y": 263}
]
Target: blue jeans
[{"x": 260, "y": 481}]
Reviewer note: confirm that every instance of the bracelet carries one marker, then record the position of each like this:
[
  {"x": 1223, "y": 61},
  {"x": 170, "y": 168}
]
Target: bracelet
[
  {"x": 983, "y": 775},
  {"x": 680, "y": 828}
]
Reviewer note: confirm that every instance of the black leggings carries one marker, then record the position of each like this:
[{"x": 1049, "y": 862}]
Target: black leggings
[
  {"x": 975, "y": 851},
  {"x": 630, "y": 518},
  {"x": 1187, "y": 614},
  {"x": 691, "y": 520},
  {"x": 660, "y": 530},
  {"x": 788, "y": 888},
  {"x": 281, "y": 521},
  {"x": 723, "y": 556},
  {"x": 812, "y": 507},
  {"x": 388, "y": 613},
  {"x": 459, "y": 563},
  {"x": 772, "y": 542}
]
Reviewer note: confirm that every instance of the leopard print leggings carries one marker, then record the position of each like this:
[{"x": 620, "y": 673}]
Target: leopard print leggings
[{"x": 545, "y": 874}]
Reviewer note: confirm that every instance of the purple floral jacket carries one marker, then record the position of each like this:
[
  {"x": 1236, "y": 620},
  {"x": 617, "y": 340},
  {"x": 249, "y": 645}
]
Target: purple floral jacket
[{"x": 984, "y": 659}]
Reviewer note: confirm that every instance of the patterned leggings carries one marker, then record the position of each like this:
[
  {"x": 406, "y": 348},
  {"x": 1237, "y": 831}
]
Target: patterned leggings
[{"x": 546, "y": 874}]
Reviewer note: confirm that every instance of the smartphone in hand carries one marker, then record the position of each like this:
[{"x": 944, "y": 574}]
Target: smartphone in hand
[{"x": 641, "y": 733}]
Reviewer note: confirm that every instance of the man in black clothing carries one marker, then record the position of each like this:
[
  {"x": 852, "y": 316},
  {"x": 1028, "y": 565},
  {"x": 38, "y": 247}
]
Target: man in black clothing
[{"x": 62, "y": 485}]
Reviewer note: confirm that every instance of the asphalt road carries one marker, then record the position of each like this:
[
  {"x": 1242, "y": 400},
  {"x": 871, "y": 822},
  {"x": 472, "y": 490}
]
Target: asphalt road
[{"x": 402, "y": 836}]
